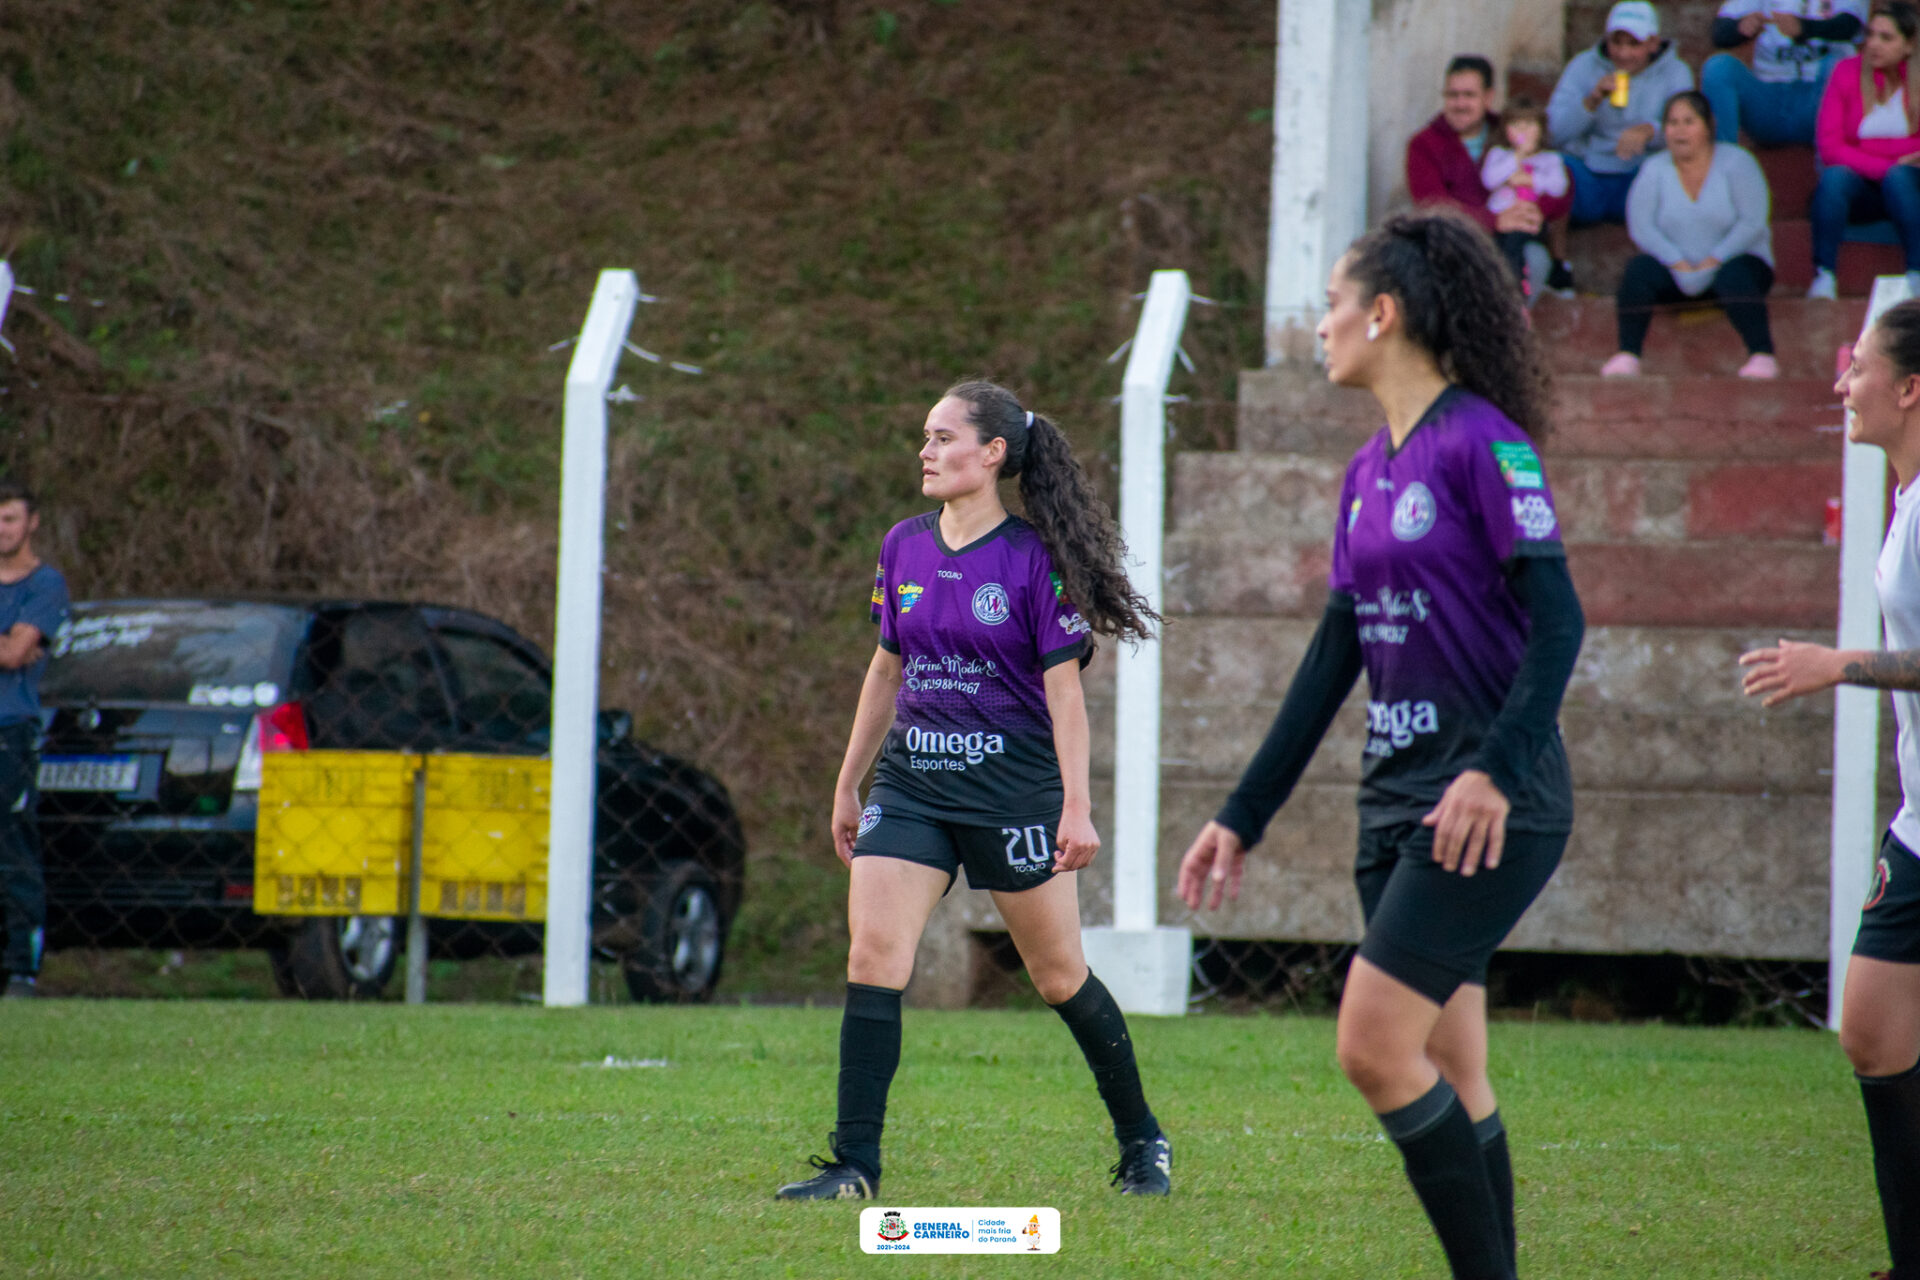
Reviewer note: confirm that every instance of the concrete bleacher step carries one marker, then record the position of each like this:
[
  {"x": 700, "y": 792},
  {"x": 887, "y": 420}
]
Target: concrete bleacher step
[
  {"x": 1629, "y": 850},
  {"x": 1648, "y": 709},
  {"x": 1860, "y": 261},
  {"x": 1579, "y": 335},
  {"x": 1292, "y": 497},
  {"x": 1792, "y": 173},
  {"x": 1750, "y": 583},
  {"x": 1786, "y": 420}
]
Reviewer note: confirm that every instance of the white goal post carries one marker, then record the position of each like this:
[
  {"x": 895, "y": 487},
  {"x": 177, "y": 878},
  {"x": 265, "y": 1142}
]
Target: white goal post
[{"x": 576, "y": 637}]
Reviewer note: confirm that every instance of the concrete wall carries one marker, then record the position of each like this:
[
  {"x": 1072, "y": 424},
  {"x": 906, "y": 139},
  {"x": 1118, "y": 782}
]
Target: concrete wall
[{"x": 1412, "y": 42}]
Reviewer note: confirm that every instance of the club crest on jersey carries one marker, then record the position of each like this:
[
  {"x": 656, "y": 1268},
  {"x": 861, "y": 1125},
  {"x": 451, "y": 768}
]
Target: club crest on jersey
[
  {"x": 910, "y": 593},
  {"x": 1534, "y": 516},
  {"x": 990, "y": 604},
  {"x": 869, "y": 818},
  {"x": 1414, "y": 513}
]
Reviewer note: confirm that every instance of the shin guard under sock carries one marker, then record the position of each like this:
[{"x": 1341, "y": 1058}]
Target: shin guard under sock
[
  {"x": 1893, "y": 1122},
  {"x": 1101, "y": 1031},
  {"x": 869, "y": 1055},
  {"x": 1491, "y": 1133},
  {"x": 1449, "y": 1174}
]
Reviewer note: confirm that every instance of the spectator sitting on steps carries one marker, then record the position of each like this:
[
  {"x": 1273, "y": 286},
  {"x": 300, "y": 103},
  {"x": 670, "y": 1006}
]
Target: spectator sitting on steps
[
  {"x": 1519, "y": 172},
  {"x": 1698, "y": 213},
  {"x": 1869, "y": 139},
  {"x": 1795, "y": 46},
  {"x": 1605, "y": 111},
  {"x": 1443, "y": 166}
]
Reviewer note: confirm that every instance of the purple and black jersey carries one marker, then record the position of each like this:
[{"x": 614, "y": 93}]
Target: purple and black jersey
[
  {"x": 1425, "y": 535},
  {"x": 976, "y": 629}
]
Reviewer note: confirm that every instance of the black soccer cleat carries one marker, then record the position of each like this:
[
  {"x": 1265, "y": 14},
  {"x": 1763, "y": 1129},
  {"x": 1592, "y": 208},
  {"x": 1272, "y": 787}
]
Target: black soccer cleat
[
  {"x": 1145, "y": 1168},
  {"x": 837, "y": 1180}
]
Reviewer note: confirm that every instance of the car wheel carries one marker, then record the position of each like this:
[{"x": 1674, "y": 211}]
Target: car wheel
[
  {"x": 682, "y": 938},
  {"x": 339, "y": 958}
]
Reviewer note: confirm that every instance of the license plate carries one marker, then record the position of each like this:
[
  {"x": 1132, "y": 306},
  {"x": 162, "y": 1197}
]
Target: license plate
[{"x": 90, "y": 773}]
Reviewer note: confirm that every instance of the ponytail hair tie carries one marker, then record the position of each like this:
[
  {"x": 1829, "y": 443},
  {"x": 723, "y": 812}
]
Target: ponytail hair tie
[{"x": 1029, "y": 419}]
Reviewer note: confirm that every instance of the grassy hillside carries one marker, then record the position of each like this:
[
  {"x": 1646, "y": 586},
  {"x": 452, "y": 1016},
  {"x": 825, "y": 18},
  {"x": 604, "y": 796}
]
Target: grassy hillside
[{"x": 332, "y": 243}]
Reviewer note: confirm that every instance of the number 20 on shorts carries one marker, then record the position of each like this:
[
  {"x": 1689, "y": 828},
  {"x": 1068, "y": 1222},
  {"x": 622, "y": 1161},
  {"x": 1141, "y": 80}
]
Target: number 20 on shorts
[{"x": 1034, "y": 839}]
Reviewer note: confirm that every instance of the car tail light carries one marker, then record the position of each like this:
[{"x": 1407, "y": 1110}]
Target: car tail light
[
  {"x": 281, "y": 728},
  {"x": 284, "y": 728}
]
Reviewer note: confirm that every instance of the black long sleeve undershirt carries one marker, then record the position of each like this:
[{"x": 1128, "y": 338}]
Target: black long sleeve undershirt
[
  {"x": 1325, "y": 677},
  {"x": 1332, "y": 663},
  {"x": 1531, "y": 713}
]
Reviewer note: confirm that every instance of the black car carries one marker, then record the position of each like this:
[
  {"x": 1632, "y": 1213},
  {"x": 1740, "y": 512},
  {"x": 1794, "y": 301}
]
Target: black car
[{"x": 158, "y": 715}]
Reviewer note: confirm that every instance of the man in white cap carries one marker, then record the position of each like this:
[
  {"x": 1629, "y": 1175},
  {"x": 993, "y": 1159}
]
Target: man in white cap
[{"x": 1605, "y": 113}]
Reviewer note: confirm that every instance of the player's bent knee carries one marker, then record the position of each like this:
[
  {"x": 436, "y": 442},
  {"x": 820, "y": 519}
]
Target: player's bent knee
[{"x": 1873, "y": 1052}]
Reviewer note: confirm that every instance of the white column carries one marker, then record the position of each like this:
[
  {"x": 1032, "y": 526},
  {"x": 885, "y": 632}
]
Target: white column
[
  {"x": 1145, "y": 966},
  {"x": 1856, "y": 712},
  {"x": 1319, "y": 198},
  {"x": 576, "y": 639}
]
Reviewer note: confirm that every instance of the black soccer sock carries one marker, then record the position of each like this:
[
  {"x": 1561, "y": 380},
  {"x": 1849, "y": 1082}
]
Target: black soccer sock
[
  {"x": 869, "y": 1055},
  {"x": 1448, "y": 1173},
  {"x": 1101, "y": 1030},
  {"x": 1893, "y": 1122},
  {"x": 1491, "y": 1133}
]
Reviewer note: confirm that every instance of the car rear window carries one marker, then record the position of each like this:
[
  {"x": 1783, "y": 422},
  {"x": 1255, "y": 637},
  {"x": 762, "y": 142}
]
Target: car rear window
[{"x": 237, "y": 655}]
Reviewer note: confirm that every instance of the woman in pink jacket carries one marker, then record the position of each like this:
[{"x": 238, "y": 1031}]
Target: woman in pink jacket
[{"x": 1868, "y": 136}]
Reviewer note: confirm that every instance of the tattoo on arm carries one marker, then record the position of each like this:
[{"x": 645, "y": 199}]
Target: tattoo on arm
[{"x": 1897, "y": 670}]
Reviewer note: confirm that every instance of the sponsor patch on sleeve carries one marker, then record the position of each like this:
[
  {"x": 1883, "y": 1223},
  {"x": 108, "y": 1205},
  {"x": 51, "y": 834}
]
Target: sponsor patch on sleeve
[
  {"x": 1519, "y": 464},
  {"x": 879, "y": 585}
]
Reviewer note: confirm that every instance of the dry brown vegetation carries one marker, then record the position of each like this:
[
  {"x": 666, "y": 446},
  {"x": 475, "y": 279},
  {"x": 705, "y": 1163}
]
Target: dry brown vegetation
[{"x": 298, "y": 214}]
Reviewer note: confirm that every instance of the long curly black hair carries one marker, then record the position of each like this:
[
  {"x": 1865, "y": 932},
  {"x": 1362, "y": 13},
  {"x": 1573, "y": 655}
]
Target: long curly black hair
[
  {"x": 1460, "y": 305},
  {"x": 1078, "y": 529}
]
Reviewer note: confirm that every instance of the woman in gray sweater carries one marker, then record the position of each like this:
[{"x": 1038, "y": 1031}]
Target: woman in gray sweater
[{"x": 1698, "y": 213}]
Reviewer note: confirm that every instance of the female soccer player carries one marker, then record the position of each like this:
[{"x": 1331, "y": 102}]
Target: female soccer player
[
  {"x": 985, "y": 622},
  {"x": 1880, "y": 1012},
  {"x": 1449, "y": 585}
]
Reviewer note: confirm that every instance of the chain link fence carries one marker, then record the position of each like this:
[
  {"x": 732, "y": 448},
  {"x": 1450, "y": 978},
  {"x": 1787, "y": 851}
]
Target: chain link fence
[{"x": 289, "y": 782}]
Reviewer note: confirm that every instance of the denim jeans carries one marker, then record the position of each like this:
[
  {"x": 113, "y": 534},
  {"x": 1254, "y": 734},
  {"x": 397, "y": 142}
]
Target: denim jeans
[
  {"x": 1774, "y": 115},
  {"x": 1598, "y": 197},
  {"x": 1844, "y": 196}
]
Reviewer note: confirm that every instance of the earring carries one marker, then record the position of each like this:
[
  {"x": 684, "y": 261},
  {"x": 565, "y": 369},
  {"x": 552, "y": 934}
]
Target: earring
[{"x": 1373, "y": 330}]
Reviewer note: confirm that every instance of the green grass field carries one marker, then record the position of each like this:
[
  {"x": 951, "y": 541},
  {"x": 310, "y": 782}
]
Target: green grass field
[{"x": 284, "y": 1140}]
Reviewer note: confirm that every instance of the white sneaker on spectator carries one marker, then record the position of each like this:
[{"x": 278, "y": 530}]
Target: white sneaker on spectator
[
  {"x": 1760, "y": 365},
  {"x": 1824, "y": 285},
  {"x": 1621, "y": 364}
]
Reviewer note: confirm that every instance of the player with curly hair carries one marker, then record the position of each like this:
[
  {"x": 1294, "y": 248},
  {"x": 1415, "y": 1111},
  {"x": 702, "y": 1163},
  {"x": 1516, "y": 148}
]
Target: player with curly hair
[
  {"x": 1449, "y": 586},
  {"x": 973, "y": 704}
]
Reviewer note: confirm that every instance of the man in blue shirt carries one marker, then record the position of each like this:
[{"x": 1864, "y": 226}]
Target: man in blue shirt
[{"x": 33, "y": 604}]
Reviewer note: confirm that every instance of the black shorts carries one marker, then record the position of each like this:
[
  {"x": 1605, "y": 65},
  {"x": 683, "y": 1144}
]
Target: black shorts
[
  {"x": 1435, "y": 929},
  {"x": 1890, "y": 922},
  {"x": 1010, "y": 856}
]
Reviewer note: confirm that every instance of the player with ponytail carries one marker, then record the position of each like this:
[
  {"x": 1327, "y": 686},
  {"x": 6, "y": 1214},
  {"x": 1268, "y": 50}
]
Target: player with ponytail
[
  {"x": 1449, "y": 587},
  {"x": 972, "y": 704}
]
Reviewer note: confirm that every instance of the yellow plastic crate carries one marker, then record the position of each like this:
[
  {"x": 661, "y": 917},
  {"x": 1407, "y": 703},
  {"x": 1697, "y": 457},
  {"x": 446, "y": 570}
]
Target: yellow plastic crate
[
  {"x": 484, "y": 853},
  {"x": 335, "y": 833}
]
